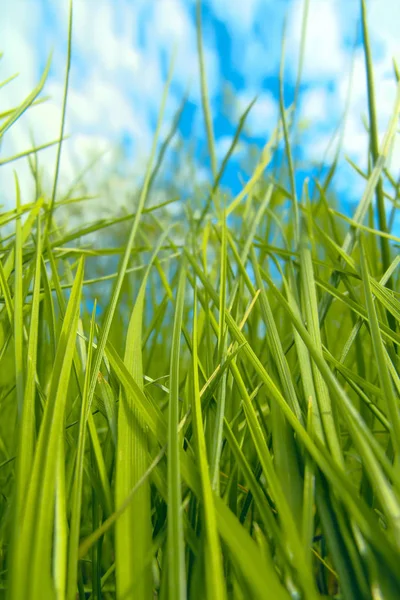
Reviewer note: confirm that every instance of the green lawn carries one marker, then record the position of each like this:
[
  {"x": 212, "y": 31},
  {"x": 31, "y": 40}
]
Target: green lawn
[{"x": 227, "y": 425}]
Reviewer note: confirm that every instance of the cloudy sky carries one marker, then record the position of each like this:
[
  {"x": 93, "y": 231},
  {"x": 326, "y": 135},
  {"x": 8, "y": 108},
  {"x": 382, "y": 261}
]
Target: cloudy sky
[{"x": 121, "y": 53}]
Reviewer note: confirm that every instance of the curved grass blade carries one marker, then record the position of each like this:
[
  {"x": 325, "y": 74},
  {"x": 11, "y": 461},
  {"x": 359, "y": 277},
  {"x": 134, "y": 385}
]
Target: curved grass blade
[
  {"x": 62, "y": 126},
  {"x": 213, "y": 559},
  {"x": 76, "y": 500},
  {"x": 204, "y": 94},
  {"x": 133, "y": 532},
  {"x": 29, "y": 100},
  {"x": 384, "y": 374},
  {"x": 176, "y": 552},
  {"x": 31, "y": 568}
]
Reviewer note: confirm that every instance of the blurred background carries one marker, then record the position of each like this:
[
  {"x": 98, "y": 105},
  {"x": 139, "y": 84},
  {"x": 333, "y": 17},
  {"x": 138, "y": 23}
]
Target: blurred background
[{"x": 120, "y": 59}]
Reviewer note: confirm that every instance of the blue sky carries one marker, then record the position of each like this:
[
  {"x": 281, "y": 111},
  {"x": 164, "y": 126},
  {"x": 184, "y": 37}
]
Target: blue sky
[{"x": 121, "y": 51}]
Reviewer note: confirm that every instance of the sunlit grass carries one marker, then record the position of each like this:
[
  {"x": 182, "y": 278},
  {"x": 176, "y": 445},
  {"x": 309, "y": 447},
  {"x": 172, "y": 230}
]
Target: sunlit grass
[{"x": 227, "y": 424}]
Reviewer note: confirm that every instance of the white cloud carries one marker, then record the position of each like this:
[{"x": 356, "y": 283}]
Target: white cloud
[
  {"x": 255, "y": 28},
  {"x": 239, "y": 16},
  {"x": 172, "y": 28},
  {"x": 324, "y": 55},
  {"x": 315, "y": 104},
  {"x": 116, "y": 81},
  {"x": 263, "y": 115},
  {"x": 18, "y": 57},
  {"x": 384, "y": 19}
]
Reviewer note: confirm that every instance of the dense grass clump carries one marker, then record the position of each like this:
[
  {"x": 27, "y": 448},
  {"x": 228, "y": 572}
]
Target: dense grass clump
[{"x": 217, "y": 418}]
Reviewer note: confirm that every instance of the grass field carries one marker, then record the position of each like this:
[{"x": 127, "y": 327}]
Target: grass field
[{"x": 227, "y": 424}]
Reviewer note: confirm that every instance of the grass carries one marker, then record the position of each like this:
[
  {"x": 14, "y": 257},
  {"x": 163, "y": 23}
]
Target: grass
[{"x": 228, "y": 426}]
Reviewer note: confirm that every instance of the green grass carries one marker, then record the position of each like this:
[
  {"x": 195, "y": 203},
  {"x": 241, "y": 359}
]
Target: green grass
[{"x": 228, "y": 426}]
